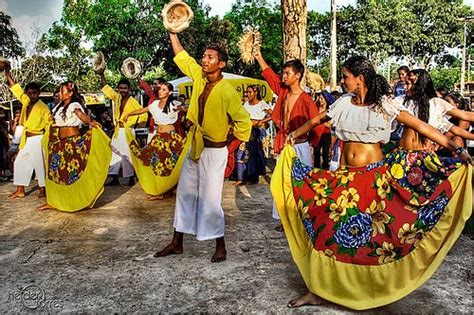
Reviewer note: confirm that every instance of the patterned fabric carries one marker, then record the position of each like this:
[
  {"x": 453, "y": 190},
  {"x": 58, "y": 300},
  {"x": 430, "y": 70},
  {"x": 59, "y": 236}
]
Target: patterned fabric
[
  {"x": 161, "y": 154},
  {"x": 67, "y": 158},
  {"x": 362, "y": 215},
  {"x": 420, "y": 172}
]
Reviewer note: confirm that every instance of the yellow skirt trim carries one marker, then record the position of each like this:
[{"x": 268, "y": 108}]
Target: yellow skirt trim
[
  {"x": 364, "y": 287},
  {"x": 87, "y": 189},
  {"x": 152, "y": 184}
]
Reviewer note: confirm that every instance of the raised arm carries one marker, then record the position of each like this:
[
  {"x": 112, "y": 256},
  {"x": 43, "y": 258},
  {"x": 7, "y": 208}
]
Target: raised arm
[
  {"x": 146, "y": 88},
  {"x": 175, "y": 43},
  {"x": 8, "y": 76},
  {"x": 103, "y": 81},
  {"x": 263, "y": 64}
]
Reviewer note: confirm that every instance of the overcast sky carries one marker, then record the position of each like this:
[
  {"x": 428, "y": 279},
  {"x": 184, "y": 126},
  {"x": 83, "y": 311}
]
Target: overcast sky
[{"x": 28, "y": 15}]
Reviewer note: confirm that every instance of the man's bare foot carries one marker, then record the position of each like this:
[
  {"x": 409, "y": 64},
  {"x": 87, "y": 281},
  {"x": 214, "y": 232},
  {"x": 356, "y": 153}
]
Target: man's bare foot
[
  {"x": 16, "y": 195},
  {"x": 307, "y": 299},
  {"x": 279, "y": 228},
  {"x": 220, "y": 254},
  {"x": 42, "y": 193},
  {"x": 44, "y": 207},
  {"x": 155, "y": 197},
  {"x": 171, "y": 249},
  {"x": 238, "y": 183}
]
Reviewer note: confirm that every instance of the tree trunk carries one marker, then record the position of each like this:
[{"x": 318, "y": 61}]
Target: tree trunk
[{"x": 294, "y": 14}]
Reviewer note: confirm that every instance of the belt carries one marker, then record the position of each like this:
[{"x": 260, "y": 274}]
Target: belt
[
  {"x": 212, "y": 144},
  {"x": 31, "y": 134}
]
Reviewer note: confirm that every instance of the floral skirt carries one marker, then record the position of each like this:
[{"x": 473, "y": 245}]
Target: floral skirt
[
  {"x": 358, "y": 236},
  {"x": 76, "y": 168},
  {"x": 158, "y": 164}
]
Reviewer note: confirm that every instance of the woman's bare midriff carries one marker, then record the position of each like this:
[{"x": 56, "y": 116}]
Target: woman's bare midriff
[
  {"x": 66, "y": 132},
  {"x": 164, "y": 128},
  {"x": 411, "y": 141},
  {"x": 361, "y": 154}
]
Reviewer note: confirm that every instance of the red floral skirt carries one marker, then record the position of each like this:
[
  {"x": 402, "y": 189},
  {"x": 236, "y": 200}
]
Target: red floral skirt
[
  {"x": 67, "y": 158},
  {"x": 161, "y": 153}
]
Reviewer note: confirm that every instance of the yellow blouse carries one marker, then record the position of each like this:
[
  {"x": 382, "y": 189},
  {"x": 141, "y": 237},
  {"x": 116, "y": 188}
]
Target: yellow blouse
[
  {"x": 38, "y": 120},
  {"x": 223, "y": 102},
  {"x": 131, "y": 105}
]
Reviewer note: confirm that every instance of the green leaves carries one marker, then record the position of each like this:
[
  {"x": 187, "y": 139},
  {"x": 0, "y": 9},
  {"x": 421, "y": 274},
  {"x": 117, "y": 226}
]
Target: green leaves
[
  {"x": 417, "y": 30},
  {"x": 10, "y": 45}
]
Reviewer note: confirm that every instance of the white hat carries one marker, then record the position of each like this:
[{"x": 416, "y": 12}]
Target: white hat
[
  {"x": 131, "y": 68},
  {"x": 98, "y": 64},
  {"x": 176, "y": 16},
  {"x": 249, "y": 43},
  {"x": 315, "y": 81}
]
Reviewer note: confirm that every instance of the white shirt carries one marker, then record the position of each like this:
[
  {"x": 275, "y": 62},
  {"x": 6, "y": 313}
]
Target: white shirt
[
  {"x": 257, "y": 111},
  {"x": 162, "y": 118},
  {"x": 70, "y": 119},
  {"x": 364, "y": 123},
  {"x": 438, "y": 110}
]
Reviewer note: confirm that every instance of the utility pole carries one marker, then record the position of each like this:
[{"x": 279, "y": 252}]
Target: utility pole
[
  {"x": 333, "y": 79},
  {"x": 463, "y": 62}
]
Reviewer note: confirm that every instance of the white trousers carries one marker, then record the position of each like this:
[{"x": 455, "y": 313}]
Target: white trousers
[
  {"x": 303, "y": 150},
  {"x": 199, "y": 195},
  {"x": 28, "y": 159},
  {"x": 121, "y": 158}
]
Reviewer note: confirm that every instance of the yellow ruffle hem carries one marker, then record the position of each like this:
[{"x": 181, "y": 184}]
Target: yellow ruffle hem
[
  {"x": 363, "y": 287},
  {"x": 150, "y": 182},
  {"x": 84, "y": 192}
]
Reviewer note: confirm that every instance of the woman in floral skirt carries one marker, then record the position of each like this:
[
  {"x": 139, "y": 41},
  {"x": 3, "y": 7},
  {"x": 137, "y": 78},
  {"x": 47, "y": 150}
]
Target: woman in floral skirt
[
  {"x": 77, "y": 165},
  {"x": 158, "y": 164},
  {"x": 414, "y": 163},
  {"x": 357, "y": 236}
]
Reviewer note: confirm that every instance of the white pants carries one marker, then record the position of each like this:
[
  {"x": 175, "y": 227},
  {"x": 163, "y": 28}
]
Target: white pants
[
  {"x": 303, "y": 150},
  {"x": 199, "y": 195},
  {"x": 28, "y": 159},
  {"x": 121, "y": 158}
]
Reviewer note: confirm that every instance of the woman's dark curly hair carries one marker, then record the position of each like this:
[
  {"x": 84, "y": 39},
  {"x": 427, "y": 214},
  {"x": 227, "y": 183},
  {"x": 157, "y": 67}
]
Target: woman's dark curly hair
[
  {"x": 377, "y": 85},
  {"x": 75, "y": 98}
]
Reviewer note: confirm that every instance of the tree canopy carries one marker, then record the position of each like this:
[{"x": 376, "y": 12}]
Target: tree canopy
[{"x": 10, "y": 45}]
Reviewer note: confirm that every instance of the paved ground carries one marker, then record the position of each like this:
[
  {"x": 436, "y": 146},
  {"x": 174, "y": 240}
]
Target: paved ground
[{"x": 100, "y": 260}]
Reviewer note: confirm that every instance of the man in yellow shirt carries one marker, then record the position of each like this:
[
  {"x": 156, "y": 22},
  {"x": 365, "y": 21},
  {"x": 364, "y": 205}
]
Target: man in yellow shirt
[
  {"x": 35, "y": 117},
  {"x": 123, "y": 105},
  {"x": 213, "y": 103}
]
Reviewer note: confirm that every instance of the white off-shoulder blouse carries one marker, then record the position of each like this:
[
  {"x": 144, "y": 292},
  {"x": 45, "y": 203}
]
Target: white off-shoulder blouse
[
  {"x": 367, "y": 124},
  {"x": 70, "y": 119},
  {"x": 162, "y": 118}
]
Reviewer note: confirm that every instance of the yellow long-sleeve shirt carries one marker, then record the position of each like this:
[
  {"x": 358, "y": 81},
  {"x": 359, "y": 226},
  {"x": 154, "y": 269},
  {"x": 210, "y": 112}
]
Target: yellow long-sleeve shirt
[
  {"x": 223, "y": 102},
  {"x": 38, "y": 120},
  {"x": 131, "y": 105}
]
